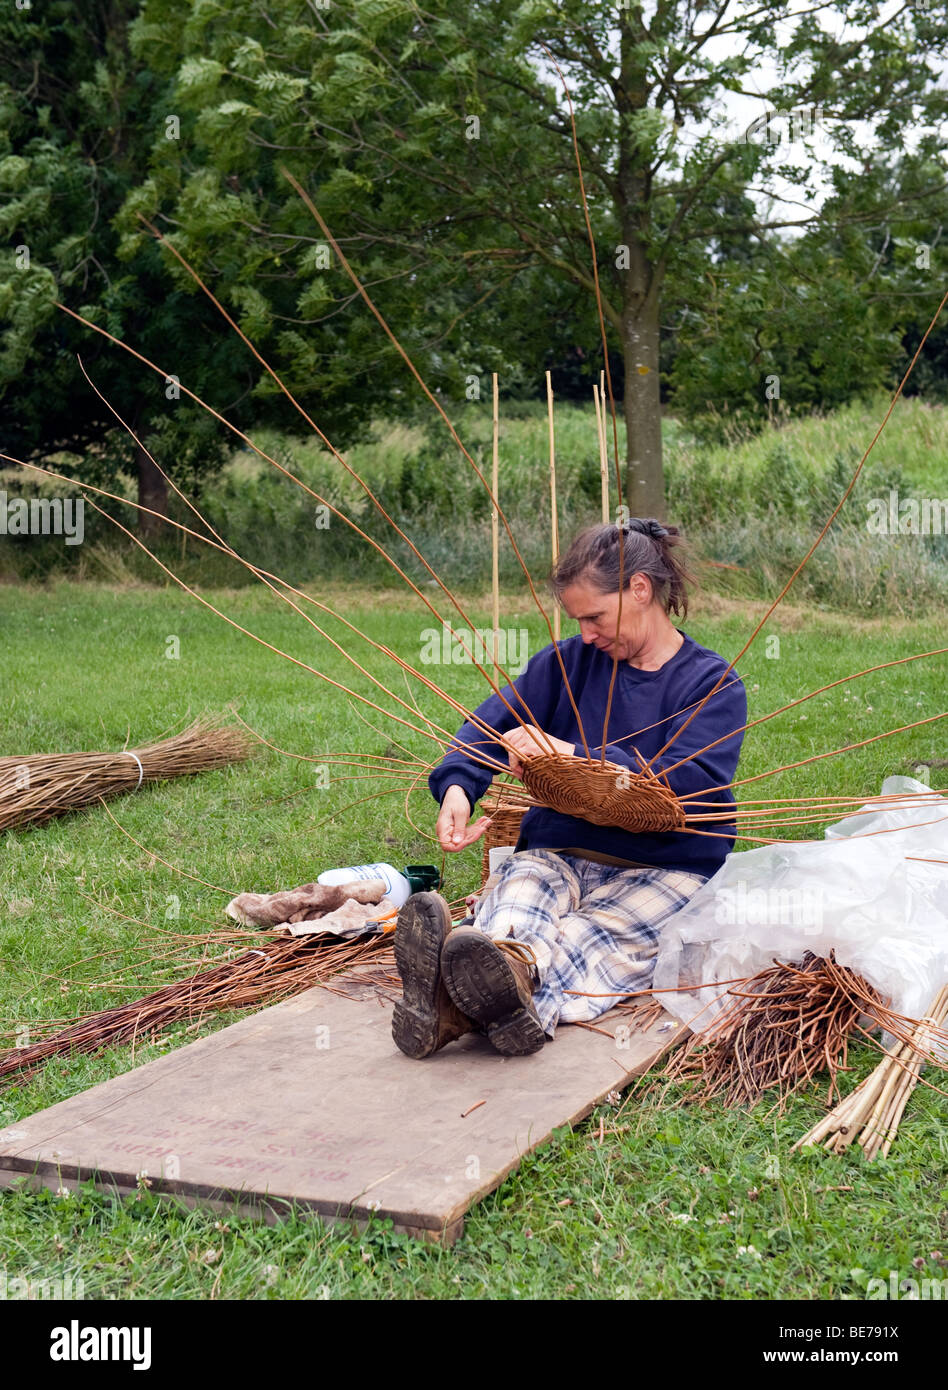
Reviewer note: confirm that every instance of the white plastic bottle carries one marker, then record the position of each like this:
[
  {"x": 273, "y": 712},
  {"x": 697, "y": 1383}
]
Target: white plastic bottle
[{"x": 398, "y": 886}]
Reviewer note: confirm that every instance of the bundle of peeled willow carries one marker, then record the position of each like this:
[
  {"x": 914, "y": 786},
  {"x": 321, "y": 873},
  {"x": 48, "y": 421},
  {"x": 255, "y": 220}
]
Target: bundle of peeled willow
[
  {"x": 276, "y": 969},
  {"x": 871, "y": 1113},
  {"x": 785, "y": 1025},
  {"x": 36, "y": 788}
]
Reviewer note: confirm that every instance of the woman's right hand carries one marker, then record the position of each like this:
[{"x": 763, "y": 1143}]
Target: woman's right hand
[{"x": 452, "y": 827}]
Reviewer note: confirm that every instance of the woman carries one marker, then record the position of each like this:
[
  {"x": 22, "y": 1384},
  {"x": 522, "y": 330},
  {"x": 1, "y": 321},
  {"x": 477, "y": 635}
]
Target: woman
[{"x": 571, "y": 919}]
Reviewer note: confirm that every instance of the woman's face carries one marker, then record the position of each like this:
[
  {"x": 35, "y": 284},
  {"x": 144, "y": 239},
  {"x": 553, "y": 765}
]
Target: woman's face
[{"x": 597, "y": 615}]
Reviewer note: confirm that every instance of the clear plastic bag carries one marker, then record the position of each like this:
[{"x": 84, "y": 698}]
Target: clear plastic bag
[{"x": 858, "y": 892}]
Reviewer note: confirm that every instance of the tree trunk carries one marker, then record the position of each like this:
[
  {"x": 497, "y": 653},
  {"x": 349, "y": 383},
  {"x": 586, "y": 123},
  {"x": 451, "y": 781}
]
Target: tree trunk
[
  {"x": 641, "y": 287},
  {"x": 152, "y": 493},
  {"x": 645, "y": 482}
]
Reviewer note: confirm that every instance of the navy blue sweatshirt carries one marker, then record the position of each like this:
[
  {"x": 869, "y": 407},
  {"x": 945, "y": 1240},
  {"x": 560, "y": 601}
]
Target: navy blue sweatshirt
[{"x": 641, "y": 698}]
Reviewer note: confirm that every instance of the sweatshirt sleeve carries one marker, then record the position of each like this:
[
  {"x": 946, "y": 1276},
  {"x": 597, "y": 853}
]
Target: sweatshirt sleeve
[
  {"x": 532, "y": 695},
  {"x": 725, "y": 712}
]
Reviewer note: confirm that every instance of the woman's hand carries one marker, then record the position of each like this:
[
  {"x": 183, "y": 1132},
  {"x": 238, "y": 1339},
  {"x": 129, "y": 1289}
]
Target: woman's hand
[
  {"x": 530, "y": 742},
  {"x": 452, "y": 827}
]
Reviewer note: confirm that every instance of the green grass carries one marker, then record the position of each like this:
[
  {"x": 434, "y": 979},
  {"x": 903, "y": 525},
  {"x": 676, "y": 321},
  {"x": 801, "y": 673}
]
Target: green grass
[{"x": 661, "y": 1208}]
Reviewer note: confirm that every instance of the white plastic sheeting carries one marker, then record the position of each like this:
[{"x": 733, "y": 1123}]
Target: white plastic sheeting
[{"x": 858, "y": 892}]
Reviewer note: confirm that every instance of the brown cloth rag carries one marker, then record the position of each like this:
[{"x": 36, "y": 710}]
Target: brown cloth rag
[{"x": 315, "y": 907}]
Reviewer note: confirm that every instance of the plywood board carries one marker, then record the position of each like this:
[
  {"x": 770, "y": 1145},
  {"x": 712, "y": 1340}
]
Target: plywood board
[{"x": 310, "y": 1103}]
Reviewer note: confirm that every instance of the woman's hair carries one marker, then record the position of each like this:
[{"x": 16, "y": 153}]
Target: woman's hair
[{"x": 646, "y": 547}]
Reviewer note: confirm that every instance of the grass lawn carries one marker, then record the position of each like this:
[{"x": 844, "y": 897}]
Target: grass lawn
[{"x": 672, "y": 1203}]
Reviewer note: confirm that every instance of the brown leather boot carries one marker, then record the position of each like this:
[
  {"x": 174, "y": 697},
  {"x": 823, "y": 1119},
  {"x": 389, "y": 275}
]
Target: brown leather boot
[
  {"x": 492, "y": 981},
  {"x": 426, "y": 1017}
]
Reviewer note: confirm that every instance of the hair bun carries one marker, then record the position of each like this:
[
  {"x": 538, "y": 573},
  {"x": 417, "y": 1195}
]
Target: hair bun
[{"x": 645, "y": 526}]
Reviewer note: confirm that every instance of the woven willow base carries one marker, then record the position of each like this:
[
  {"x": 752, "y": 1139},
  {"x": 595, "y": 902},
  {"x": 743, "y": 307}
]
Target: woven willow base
[
  {"x": 610, "y": 795},
  {"x": 605, "y": 796}
]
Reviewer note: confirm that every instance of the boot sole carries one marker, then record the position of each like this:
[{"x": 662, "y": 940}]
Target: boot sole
[
  {"x": 482, "y": 984},
  {"x": 419, "y": 936}
]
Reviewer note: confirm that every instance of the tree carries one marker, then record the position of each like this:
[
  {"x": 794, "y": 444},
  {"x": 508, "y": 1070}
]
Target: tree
[
  {"x": 79, "y": 119},
  {"x": 438, "y": 146},
  {"x": 836, "y": 312}
]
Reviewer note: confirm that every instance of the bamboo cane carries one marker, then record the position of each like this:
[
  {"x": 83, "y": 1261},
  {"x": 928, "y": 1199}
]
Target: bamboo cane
[
  {"x": 870, "y": 1127},
  {"x": 871, "y": 1114},
  {"x": 495, "y": 532},
  {"x": 603, "y": 452},
  {"x": 555, "y": 527},
  {"x": 895, "y": 1117},
  {"x": 884, "y": 1132}
]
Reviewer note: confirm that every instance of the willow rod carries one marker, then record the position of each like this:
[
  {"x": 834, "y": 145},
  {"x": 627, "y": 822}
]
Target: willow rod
[
  {"x": 827, "y": 525},
  {"x": 370, "y": 702},
  {"x": 594, "y": 253},
  {"x": 299, "y": 483},
  {"x": 312, "y": 424},
  {"x": 314, "y": 211},
  {"x": 277, "y": 969},
  {"x": 485, "y": 673},
  {"x": 833, "y": 753},
  {"x": 612, "y": 404},
  {"x": 856, "y": 675},
  {"x": 265, "y": 578},
  {"x": 36, "y": 788},
  {"x": 483, "y": 758},
  {"x": 691, "y": 799}
]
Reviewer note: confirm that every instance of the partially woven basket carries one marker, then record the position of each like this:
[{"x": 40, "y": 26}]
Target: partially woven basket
[
  {"x": 505, "y": 804},
  {"x": 604, "y": 795}
]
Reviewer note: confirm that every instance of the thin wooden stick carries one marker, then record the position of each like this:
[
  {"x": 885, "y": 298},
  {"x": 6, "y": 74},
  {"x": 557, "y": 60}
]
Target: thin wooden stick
[
  {"x": 35, "y": 788},
  {"x": 603, "y": 453},
  {"x": 622, "y": 580},
  {"x": 553, "y": 480},
  {"x": 802, "y": 699},
  {"x": 554, "y": 519},
  {"x": 516, "y": 715},
  {"x": 833, "y": 753},
  {"x": 870, "y": 1115},
  {"x": 495, "y": 527}
]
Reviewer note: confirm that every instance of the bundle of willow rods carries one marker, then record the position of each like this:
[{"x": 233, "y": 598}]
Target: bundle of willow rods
[
  {"x": 786, "y": 1024},
  {"x": 276, "y": 969},
  {"x": 870, "y": 1115},
  {"x": 34, "y": 789}
]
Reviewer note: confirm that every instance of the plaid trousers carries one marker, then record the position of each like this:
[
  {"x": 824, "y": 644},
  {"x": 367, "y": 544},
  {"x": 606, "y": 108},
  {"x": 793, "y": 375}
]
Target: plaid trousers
[{"x": 593, "y": 927}]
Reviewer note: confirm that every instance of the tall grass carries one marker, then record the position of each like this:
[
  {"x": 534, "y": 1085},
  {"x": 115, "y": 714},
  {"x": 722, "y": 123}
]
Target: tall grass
[{"x": 751, "y": 507}]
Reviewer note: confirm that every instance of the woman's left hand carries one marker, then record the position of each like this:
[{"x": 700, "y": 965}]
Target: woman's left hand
[{"x": 531, "y": 742}]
